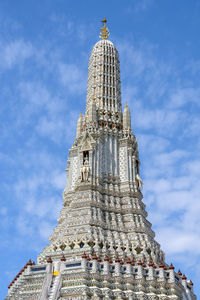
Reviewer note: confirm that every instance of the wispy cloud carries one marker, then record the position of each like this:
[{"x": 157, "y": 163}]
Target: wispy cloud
[
  {"x": 184, "y": 96},
  {"x": 139, "y": 6},
  {"x": 73, "y": 77},
  {"x": 15, "y": 53}
]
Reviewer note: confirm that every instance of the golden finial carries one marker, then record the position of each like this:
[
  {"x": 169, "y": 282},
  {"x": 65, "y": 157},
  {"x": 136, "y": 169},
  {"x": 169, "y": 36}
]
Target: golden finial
[
  {"x": 126, "y": 104},
  {"x": 104, "y": 34},
  {"x": 93, "y": 98}
]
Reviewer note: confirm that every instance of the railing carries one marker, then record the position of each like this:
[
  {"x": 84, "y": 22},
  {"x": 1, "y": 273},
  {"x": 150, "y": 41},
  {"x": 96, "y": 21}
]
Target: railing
[
  {"x": 58, "y": 288},
  {"x": 45, "y": 287}
]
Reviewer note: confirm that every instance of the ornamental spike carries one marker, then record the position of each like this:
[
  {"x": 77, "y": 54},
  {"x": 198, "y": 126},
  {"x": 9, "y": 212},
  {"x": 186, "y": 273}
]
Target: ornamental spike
[{"x": 104, "y": 34}]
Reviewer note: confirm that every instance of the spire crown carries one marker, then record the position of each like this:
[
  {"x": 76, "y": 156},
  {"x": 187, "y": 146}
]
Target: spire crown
[{"x": 104, "y": 34}]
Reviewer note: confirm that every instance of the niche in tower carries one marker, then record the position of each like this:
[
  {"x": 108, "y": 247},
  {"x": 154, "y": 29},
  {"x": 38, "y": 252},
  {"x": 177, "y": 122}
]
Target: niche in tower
[
  {"x": 137, "y": 166},
  {"x": 85, "y": 156}
]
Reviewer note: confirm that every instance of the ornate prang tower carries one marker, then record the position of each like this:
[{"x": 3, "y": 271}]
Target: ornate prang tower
[{"x": 103, "y": 246}]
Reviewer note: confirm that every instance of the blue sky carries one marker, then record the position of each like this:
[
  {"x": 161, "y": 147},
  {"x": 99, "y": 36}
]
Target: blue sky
[{"x": 44, "y": 52}]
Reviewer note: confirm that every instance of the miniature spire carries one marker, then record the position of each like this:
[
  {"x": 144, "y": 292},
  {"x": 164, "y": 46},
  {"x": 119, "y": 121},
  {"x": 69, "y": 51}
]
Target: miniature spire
[
  {"x": 126, "y": 118},
  {"x": 79, "y": 126},
  {"x": 104, "y": 34}
]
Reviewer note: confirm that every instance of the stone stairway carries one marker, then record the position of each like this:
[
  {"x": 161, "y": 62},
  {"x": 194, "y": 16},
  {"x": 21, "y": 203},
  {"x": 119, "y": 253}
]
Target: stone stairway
[{"x": 54, "y": 287}]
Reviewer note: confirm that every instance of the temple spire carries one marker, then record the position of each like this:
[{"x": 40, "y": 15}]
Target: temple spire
[
  {"x": 104, "y": 34},
  {"x": 79, "y": 126},
  {"x": 104, "y": 80},
  {"x": 103, "y": 233},
  {"x": 126, "y": 118}
]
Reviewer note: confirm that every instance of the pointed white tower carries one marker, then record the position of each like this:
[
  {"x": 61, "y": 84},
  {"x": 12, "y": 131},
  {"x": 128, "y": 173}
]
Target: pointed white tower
[
  {"x": 104, "y": 80},
  {"x": 79, "y": 126},
  {"x": 126, "y": 118},
  {"x": 103, "y": 246},
  {"x": 103, "y": 168}
]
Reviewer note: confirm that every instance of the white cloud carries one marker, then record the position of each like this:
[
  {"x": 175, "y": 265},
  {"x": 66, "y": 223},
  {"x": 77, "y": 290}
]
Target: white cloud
[
  {"x": 154, "y": 143},
  {"x": 58, "y": 128},
  {"x": 15, "y": 53},
  {"x": 3, "y": 211},
  {"x": 193, "y": 127},
  {"x": 73, "y": 78},
  {"x": 49, "y": 114},
  {"x": 53, "y": 128},
  {"x": 143, "y": 5},
  {"x": 192, "y": 167},
  {"x": 58, "y": 179},
  {"x": 138, "y": 6},
  {"x": 177, "y": 241},
  {"x": 38, "y": 206},
  {"x": 43, "y": 207},
  {"x": 23, "y": 225},
  {"x": 34, "y": 96},
  {"x": 183, "y": 96},
  {"x": 45, "y": 229},
  {"x": 170, "y": 158},
  {"x": 156, "y": 119},
  {"x": 173, "y": 201}
]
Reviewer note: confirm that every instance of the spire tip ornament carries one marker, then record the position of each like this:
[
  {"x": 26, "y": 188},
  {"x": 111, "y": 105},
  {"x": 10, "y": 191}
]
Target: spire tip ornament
[{"x": 104, "y": 34}]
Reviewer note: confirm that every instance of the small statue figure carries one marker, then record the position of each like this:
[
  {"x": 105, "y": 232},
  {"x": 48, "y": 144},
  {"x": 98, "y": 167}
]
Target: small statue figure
[
  {"x": 139, "y": 182},
  {"x": 85, "y": 170}
]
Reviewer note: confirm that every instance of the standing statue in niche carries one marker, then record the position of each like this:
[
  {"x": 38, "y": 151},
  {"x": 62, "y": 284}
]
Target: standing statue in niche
[
  {"x": 137, "y": 177},
  {"x": 85, "y": 170},
  {"x": 139, "y": 181}
]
